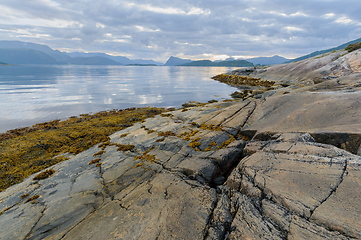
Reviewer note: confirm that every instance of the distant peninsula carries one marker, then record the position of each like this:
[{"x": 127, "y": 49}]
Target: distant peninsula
[{"x": 206, "y": 63}]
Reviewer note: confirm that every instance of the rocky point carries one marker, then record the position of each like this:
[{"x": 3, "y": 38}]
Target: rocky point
[{"x": 283, "y": 162}]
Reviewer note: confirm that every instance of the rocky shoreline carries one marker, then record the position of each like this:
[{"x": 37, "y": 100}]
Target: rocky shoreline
[{"x": 280, "y": 164}]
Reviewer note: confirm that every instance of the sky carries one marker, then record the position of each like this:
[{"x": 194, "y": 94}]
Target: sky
[{"x": 192, "y": 29}]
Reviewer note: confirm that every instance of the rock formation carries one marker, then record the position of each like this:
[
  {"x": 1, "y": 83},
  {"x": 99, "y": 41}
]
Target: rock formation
[{"x": 283, "y": 164}]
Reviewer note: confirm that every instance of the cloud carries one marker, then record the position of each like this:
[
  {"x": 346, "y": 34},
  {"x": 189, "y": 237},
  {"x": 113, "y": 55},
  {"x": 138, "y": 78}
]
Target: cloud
[{"x": 158, "y": 29}]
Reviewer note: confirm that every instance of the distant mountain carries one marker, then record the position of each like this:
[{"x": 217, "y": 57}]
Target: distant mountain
[
  {"x": 26, "y": 45},
  {"x": 90, "y": 61},
  {"x": 343, "y": 46},
  {"x": 174, "y": 61},
  {"x": 146, "y": 62},
  {"x": 25, "y": 56},
  {"x": 56, "y": 57},
  {"x": 138, "y": 64},
  {"x": 119, "y": 59},
  {"x": 228, "y": 59},
  {"x": 208, "y": 63},
  {"x": 268, "y": 60}
]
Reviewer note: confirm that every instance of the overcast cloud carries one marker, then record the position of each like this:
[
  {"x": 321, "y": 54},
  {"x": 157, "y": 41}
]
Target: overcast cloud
[{"x": 204, "y": 29}]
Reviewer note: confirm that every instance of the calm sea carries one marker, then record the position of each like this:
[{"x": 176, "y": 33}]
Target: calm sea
[{"x": 31, "y": 94}]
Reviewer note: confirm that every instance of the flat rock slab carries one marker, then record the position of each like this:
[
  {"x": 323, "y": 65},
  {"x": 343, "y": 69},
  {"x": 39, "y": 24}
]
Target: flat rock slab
[
  {"x": 167, "y": 207},
  {"x": 317, "y": 184},
  {"x": 188, "y": 177},
  {"x": 342, "y": 210},
  {"x": 172, "y": 176},
  {"x": 308, "y": 112}
]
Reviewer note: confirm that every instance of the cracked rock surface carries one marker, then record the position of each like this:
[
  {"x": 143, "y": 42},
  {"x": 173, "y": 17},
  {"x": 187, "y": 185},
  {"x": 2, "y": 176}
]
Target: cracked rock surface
[
  {"x": 276, "y": 167},
  {"x": 286, "y": 187}
]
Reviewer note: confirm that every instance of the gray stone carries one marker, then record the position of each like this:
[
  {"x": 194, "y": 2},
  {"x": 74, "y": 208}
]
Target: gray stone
[
  {"x": 302, "y": 229},
  {"x": 295, "y": 180},
  {"x": 199, "y": 166},
  {"x": 248, "y": 222},
  {"x": 164, "y": 208},
  {"x": 342, "y": 210}
]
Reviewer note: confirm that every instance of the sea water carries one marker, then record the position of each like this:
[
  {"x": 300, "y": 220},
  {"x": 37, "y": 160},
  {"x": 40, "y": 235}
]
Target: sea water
[{"x": 31, "y": 94}]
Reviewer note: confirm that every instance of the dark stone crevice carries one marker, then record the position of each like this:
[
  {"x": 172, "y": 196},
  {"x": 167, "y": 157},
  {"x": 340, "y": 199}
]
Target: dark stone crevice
[
  {"x": 36, "y": 223},
  {"x": 350, "y": 142},
  {"x": 210, "y": 218},
  {"x": 82, "y": 220},
  {"x": 333, "y": 190},
  {"x": 230, "y": 117}
]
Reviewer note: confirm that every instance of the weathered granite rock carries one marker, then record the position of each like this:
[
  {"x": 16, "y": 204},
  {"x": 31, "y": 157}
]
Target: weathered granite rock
[{"x": 275, "y": 167}]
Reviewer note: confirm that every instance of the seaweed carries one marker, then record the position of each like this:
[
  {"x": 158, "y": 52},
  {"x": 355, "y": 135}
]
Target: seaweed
[
  {"x": 145, "y": 158},
  {"x": 242, "y": 80},
  {"x": 33, "y": 198},
  {"x": 243, "y": 95},
  {"x": 226, "y": 143},
  {"x": 98, "y": 153},
  {"x": 94, "y": 161},
  {"x": 47, "y": 173},
  {"x": 166, "y": 134},
  {"x": 125, "y": 148},
  {"x": 25, "y": 151},
  {"x": 166, "y": 115},
  {"x": 24, "y": 195},
  {"x": 195, "y": 144}
]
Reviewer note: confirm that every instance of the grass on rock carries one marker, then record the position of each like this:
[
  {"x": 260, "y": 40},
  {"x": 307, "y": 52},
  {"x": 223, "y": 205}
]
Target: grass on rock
[{"x": 353, "y": 47}]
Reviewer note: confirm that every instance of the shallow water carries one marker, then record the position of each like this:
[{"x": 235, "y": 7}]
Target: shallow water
[{"x": 31, "y": 94}]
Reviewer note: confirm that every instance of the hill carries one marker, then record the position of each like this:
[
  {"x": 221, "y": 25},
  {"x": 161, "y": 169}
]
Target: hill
[
  {"x": 25, "y": 56},
  {"x": 119, "y": 59},
  {"x": 208, "y": 63},
  {"x": 91, "y": 61},
  {"x": 313, "y": 54},
  {"x": 27, "y": 45},
  {"x": 174, "y": 61},
  {"x": 268, "y": 60}
]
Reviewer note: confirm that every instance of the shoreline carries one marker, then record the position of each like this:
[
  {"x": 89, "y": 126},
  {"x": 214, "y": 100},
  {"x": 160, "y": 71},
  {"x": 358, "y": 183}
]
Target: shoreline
[
  {"x": 39, "y": 131},
  {"x": 281, "y": 162}
]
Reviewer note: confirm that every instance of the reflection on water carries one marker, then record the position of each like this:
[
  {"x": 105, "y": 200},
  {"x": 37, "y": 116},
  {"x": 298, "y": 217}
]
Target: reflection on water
[{"x": 34, "y": 93}]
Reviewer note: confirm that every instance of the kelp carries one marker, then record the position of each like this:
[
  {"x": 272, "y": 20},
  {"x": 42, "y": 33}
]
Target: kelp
[
  {"x": 243, "y": 80},
  {"x": 25, "y": 151}
]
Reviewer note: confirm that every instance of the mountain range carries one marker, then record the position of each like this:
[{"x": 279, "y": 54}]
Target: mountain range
[
  {"x": 16, "y": 52},
  {"x": 208, "y": 63}
]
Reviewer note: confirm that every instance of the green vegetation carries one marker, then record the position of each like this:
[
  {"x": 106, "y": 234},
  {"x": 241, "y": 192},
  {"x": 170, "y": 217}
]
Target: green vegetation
[
  {"x": 341, "y": 47},
  {"x": 243, "y": 95},
  {"x": 25, "y": 151},
  {"x": 353, "y": 47}
]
